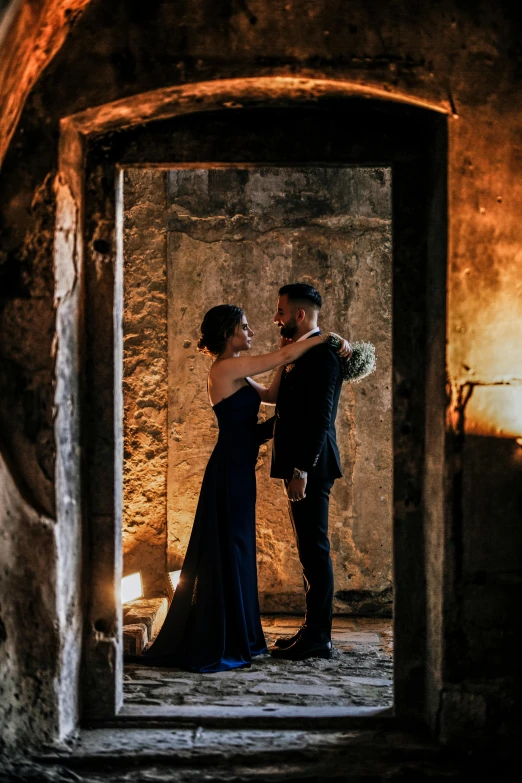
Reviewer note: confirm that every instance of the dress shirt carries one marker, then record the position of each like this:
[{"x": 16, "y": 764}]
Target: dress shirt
[{"x": 316, "y": 330}]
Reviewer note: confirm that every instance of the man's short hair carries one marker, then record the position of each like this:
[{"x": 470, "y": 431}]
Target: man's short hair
[{"x": 302, "y": 292}]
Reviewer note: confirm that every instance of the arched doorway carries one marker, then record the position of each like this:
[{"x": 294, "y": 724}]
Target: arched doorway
[{"x": 257, "y": 120}]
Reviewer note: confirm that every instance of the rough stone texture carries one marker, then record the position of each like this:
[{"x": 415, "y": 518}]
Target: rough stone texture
[
  {"x": 461, "y": 57},
  {"x": 31, "y": 33},
  {"x": 206, "y": 754},
  {"x": 359, "y": 675},
  {"x": 95, "y": 332},
  {"x": 151, "y": 612},
  {"x": 27, "y": 324},
  {"x": 135, "y": 638},
  {"x": 28, "y": 661},
  {"x": 236, "y": 236},
  {"x": 69, "y": 503},
  {"x": 145, "y": 378}
]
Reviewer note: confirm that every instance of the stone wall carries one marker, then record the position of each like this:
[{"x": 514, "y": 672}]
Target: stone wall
[
  {"x": 460, "y": 58},
  {"x": 29, "y": 661},
  {"x": 30, "y": 35},
  {"x": 145, "y": 378},
  {"x": 236, "y": 236}
]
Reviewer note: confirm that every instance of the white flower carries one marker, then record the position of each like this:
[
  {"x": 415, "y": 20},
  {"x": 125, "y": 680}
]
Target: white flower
[{"x": 360, "y": 364}]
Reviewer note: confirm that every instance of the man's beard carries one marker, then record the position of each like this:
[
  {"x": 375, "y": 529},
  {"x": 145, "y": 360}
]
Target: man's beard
[{"x": 289, "y": 330}]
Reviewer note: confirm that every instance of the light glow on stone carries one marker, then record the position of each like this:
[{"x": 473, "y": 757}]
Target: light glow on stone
[
  {"x": 495, "y": 411},
  {"x": 174, "y": 578},
  {"x": 131, "y": 587}
]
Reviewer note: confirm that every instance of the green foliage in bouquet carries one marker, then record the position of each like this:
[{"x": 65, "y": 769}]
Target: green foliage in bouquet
[{"x": 360, "y": 364}]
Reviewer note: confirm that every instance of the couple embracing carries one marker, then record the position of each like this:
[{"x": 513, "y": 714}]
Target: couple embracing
[{"x": 214, "y": 623}]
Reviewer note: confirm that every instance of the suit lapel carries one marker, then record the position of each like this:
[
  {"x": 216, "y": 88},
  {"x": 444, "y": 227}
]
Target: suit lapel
[{"x": 289, "y": 369}]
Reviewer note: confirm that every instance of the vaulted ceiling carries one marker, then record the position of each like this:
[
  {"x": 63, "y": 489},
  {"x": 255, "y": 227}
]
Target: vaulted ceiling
[{"x": 31, "y": 33}]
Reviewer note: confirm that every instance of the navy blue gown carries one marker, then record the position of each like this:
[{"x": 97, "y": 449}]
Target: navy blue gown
[{"x": 214, "y": 623}]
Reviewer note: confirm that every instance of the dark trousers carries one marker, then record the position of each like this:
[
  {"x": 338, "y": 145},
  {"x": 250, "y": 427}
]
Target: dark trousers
[{"x": 310, "y": 521}]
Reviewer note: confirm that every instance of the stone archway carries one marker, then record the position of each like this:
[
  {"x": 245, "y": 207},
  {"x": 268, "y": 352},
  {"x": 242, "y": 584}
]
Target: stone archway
[{"x": 88, "y": 295}]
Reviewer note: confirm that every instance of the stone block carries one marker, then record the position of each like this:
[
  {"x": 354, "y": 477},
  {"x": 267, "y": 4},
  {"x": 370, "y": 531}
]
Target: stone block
[
  {"x": 355, "y": 637},
  {"x": 135, "y": 638},
  {"x": 149, "y": 611},
  {"x": 144, "y": 369},
  {"x": 365, "y": 603}
]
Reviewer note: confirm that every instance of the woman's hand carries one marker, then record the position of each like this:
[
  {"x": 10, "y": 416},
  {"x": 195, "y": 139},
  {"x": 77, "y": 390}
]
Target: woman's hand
[{"x": 345, "y": 349}]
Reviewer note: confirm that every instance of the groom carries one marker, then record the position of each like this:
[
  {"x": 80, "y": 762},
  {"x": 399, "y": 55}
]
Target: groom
[{"x": 306, "y": 456}]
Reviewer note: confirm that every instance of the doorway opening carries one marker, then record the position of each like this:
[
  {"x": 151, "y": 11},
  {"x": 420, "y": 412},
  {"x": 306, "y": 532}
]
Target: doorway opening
[
  {"x": 278, "y": 125},
  {"x": 194, "y": 237}
]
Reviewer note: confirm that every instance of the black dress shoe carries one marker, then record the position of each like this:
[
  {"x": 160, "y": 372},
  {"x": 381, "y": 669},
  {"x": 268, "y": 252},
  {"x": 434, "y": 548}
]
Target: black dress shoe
[
  {"x": 303, "y": 648},
  {"x": 284, "y": 642}
]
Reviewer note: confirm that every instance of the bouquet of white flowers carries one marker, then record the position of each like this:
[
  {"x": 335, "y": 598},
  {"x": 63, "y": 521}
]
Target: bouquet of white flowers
[{"x": 360, "y": 364}]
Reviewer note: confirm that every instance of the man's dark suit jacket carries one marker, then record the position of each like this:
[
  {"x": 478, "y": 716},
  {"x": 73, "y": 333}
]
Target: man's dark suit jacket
[{"x": 304, "y": 424}]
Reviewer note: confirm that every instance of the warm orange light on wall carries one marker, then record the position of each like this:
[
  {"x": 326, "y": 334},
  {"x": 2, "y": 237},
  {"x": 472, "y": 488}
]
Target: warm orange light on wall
[
  {"x": 174, "y": 578},
  {"x": 495, "y": 411},
  {"x": 131, "y": 587},
  {"x": 485, "y": 338}
]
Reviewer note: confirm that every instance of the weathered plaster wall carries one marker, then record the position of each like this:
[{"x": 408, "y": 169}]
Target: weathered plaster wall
[
  {"x": 29, "y": 636},
  {"x": 484, "y": 543},
  {"x": 30, "y": 35},
  {"x": 236, "y": 236},
  {"x": 386, "y": 46},
  {"x": 145, "y": 377},
  {"x": 27, "y": 331},
  {"x": 465, "y": 57}
]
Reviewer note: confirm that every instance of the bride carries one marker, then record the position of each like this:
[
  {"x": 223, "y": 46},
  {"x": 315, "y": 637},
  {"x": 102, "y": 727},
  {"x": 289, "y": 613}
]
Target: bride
[{"x": 214, "y": 623}]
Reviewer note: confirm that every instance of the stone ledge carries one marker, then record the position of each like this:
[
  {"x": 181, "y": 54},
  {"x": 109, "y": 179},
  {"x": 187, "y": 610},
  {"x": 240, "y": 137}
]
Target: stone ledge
[
  {"x": 365, "y": 603},
  {"x": 240, "y": 756},
  {"x": 135, "y": 638},
  {"x": 280, "y": 718},
  {"x": 150, "y": 612}
]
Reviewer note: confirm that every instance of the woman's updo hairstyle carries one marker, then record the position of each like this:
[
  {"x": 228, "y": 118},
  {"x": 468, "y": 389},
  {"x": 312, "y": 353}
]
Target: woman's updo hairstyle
[{"x": 217, "y": 326}]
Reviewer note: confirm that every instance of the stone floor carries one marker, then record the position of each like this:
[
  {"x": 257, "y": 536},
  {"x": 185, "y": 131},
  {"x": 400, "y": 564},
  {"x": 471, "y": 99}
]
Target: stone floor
[
  {"x": 255, "y": 756},
  {"x": 359, "y": 674},
  {"x": 187, "y": 751}
]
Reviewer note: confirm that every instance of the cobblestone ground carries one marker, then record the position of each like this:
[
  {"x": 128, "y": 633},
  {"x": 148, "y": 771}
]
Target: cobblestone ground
[{"x": 359, "y": 674}]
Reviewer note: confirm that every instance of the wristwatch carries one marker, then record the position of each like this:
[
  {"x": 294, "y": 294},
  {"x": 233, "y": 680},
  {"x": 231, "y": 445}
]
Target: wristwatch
[{"x": 299, "y": 474}]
